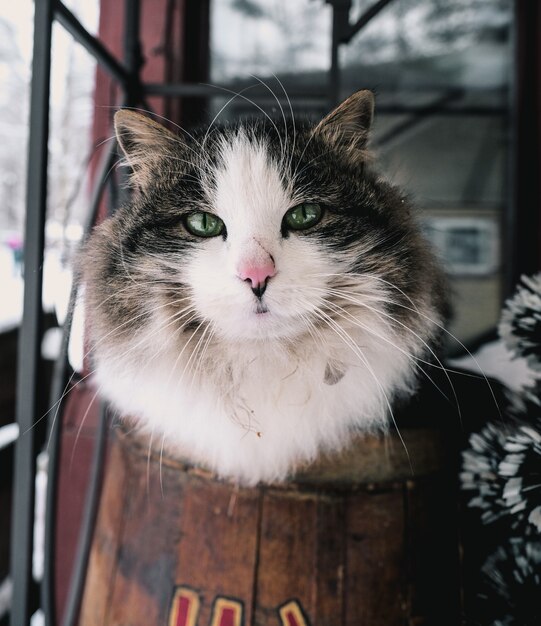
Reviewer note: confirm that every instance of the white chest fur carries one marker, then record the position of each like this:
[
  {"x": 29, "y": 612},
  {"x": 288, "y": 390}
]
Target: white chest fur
[{"x": 251, "y": 412}]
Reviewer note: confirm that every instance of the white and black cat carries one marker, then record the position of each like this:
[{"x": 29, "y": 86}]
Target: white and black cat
[{"x": 265, "y": 293}]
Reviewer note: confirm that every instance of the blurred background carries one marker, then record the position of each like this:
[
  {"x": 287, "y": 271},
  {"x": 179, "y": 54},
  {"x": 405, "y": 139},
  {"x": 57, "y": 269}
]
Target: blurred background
[
  {"x": 441, "y": 71},
  {"x": 456, "y": 125}
]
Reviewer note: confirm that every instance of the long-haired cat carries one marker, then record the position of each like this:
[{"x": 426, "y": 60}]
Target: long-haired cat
[{"x": 265, "y": 293}]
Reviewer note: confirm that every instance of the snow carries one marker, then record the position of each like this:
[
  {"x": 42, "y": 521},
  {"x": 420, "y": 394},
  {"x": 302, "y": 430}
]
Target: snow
[
  {"x": 494, "y": 360},
  {"x": 11, "y": 284},
  {"x": 57, "y": 278}
]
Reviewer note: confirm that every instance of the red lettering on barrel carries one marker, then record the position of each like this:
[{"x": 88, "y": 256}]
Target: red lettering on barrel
[
  {"x": 291, "y": 614},
  {"x": 184, "y": 608},
  {"x": 227, "y": 612}
]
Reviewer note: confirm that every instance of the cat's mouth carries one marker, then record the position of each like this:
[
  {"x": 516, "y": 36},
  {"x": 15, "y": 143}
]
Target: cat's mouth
[{"x": 261, "y": 309}]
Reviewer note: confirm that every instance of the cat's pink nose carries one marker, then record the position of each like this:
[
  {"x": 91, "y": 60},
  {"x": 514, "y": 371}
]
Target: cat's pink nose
[{"x": 258, "y": 276}]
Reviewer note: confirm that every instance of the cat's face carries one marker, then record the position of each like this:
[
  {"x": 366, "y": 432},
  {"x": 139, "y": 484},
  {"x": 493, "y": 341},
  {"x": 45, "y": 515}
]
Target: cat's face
[
  {"x": 261, "y": 276},
  {"x": 253, "y": 230}
]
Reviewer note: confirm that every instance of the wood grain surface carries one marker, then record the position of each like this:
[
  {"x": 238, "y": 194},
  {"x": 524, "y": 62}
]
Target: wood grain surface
[{"x": 332, "y": 547}]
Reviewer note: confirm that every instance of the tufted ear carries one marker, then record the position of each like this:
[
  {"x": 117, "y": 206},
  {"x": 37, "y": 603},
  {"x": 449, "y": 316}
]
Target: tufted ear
[
  {"x": 144, "y": 143},
  {"x": 349, "y": 124}
]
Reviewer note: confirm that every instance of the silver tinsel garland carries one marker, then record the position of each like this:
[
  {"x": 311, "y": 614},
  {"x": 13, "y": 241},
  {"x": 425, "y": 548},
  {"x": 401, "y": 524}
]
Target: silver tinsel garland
[
  {"x": 502, "y": 472},
  {"x": 513, "y": 580},
  {"x": 520, "y": 325},
  {"x": 502, "y": 468}
]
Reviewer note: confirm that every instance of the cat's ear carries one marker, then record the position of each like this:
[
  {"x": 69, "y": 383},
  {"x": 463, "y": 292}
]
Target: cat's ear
[
  {"x": 144, "y": 143},
  {"x": 348, "y": 125}
]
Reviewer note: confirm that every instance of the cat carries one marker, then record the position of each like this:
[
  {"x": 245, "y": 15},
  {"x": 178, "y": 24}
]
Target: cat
[{"x": 263, "y": 295}]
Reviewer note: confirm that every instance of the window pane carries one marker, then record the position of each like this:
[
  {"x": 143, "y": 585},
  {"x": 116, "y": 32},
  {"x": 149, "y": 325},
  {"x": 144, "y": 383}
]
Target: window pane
[
  {"x": 440, "y": 70},
  {"x": 263, "y": 37},
  {"x": 441, "y": 73}
]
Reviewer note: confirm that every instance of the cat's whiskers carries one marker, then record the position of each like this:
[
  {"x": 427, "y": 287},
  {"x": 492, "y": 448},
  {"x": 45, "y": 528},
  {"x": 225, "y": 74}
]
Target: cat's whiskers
[
  {"x": 292, "y": 151},
  {"x": 99, "y": 387},
  {"x": 199, "y": 165},
  {"x": 434, "y": 365},
  {"x": 350, "y": 342},
  {"x": 138, "y": 284},
  {"x": 380, "y": 314},
  {"x": 356, "y": 349},
  {"x": 104, "y": 141},
  {"x": 192, "y": 353},
  {"x": 137, "y": 317},
  {"x": 298, "y": 172},
  {"x": 202, "y": 354},
  {"x": 160, "y": 465},
  {"x": 436, "y": 323},
  {"x": 347, "y": 316},
  {"x": 269, "y": 118},
  {"x": 215, "y": 118},
  {"x": 358, "y": 276},
  {"x": 136, "y": 157},
  {"x": 140, "y": 158},
  {"x": 286, "y": 138},
  {"x": 69, "y": 388},
  {"x": 442, "y": 328},
  {"x": 149, "y": 454},
  {"x": 123, "y": 260},
  {"x": 191, "y": 357},
  {"x": 177, "y": 331},
  {"x": 313, "y": 331},
  {"x": 79, "y": 429},
  {"x": 165, "y": 119}
]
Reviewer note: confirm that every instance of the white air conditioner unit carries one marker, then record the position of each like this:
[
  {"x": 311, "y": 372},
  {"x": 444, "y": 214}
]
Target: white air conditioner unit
[{"x": 467, "y": 245}]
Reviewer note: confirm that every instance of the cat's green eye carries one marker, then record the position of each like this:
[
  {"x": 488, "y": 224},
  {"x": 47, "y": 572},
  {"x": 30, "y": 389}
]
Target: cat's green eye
[
  {"x": 303, "y": 216},
  {"x": 202, "y": 224}
]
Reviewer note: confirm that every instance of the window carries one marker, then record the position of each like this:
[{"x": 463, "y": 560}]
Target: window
[{"x": 440, "y": 71}]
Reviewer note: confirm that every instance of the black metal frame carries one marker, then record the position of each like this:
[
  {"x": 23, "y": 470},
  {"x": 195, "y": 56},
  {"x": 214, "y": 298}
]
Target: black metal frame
[
  {"x": 28, "y": 385},
  {"x": 126, "y": 73}
]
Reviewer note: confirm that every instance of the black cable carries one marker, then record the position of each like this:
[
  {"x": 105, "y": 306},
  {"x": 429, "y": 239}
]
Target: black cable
[
  {"x": 60, "y": 379},
  {"x": 86, "y": 534},
  {"x": 58, "y": 386},
  {"x": 132, "y": 92}
]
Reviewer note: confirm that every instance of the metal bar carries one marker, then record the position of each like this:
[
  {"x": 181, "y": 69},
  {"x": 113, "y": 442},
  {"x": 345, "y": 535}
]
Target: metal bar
[
  {"x": 342, "y": 32},
  {"x": 132, "y": 95},
  {"x": 364, "y": 19},
  {"x": 60, "y": 376},
  {"x": 28, "y": 380},
  {"x": 133, "y": 90},
  {"x": 340, "y": 26},
  {"x": 421, "y": 115},
  {"x": 509, "y": 220},
  {"x": 195, "y": 65},
  {"x": 306, "y": 95},
  {"x": 188, "y": 90},
  {"x": 474, "y": 111},
  {"x": 133, "y": 58},
  {"x": 522, "y": 226},
  {"x": 93, "y": 45},
  {"x": 86, "y": 532}
]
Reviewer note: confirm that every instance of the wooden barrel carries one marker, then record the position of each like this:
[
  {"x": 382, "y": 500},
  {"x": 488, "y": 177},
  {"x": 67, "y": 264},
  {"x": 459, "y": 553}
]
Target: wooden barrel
[{"x": 365, "y": 539}]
